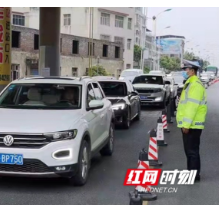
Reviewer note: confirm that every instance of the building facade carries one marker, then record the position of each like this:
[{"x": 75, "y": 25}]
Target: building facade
[
  {"x": 74, "y": 54},
  {"x": 109, "y": 24}
]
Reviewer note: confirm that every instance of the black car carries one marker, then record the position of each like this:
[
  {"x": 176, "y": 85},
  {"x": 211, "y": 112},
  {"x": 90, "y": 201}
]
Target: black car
[{"x": 125, "y": 101}]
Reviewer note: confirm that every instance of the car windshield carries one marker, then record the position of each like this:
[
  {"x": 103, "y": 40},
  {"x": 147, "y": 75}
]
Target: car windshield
[
  {"x": 41, "y": 96},
  {"x": 148, "y": 80},
  {"x": 110, "y": 89},
  {"x": 129, "y": 73}
]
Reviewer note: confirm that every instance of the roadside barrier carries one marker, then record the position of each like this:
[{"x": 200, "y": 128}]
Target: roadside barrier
[
  {"x": 142, "y": 194},
  {"x": 160, "y": 133},
  {"x": 153, "y": 150},
  {"x": 164, "y": 120}
]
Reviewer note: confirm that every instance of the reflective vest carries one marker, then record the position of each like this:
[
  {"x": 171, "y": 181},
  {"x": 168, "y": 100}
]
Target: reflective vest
[{"x": 192, "y": 107}]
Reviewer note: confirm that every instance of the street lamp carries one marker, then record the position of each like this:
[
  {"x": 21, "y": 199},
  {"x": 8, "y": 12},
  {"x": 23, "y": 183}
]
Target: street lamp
[
  {"x": 159, "y": 48},
  {"x": 155, "y": 44}
]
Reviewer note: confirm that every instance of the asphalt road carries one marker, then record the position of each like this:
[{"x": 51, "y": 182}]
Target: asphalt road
[{"x": 105, "y": 184}]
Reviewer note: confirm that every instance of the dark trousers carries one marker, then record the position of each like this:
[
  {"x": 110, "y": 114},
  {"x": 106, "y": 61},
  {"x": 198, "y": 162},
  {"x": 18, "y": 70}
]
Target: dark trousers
[{"x": 191, "y": 143}]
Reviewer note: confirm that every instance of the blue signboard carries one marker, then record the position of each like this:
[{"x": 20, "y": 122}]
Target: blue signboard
[{"x": 170, "y": 46}]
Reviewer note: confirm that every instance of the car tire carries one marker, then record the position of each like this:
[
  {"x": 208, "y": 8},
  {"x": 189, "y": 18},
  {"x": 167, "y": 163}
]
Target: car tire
[
  {"x": 109, "y": 147},
  {"x": 127, "y": 120},
  {"x": 81, "y": 176}
]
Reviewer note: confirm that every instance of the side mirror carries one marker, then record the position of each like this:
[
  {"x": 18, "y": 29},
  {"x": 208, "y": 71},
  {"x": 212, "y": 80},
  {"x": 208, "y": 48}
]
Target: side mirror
[
  {"x": 167, "y": 83},
  {"x": 95, "y": 104},
  {"x": 134, "y": 93}
]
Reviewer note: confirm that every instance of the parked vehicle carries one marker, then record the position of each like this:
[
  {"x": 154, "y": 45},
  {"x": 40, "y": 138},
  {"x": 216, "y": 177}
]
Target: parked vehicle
[
  {"x": 153, "y": 89},
  {"x": 57, "y": 125},
  {"x": 157, "y": 72},
  {"x": 212, "y": 68},
  {"x": 211, "y": 75},
  {"x": 125, "y": 101},
  {"x": 173, "y": 87},
  {"x": 130, "y": 74},
  {"x": 205, "y": 79}
]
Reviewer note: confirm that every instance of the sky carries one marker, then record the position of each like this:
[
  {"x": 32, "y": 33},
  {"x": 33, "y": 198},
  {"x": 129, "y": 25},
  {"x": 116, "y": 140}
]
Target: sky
[{"x": 200, "y": 26}]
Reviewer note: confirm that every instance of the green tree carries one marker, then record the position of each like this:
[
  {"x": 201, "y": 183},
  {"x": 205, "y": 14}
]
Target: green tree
[
  {"x": 206, "y": 63},
  {"x": 146, "y": 69},
  {"x": 98, "y": 71},
  {"x": 137, "y": 54},
  {"x": 170, "y": 63},
  {"x": 189, "y": 55}
]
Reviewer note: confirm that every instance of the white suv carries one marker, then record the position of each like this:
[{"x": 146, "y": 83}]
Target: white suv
[{"x": 53, "y": 126}]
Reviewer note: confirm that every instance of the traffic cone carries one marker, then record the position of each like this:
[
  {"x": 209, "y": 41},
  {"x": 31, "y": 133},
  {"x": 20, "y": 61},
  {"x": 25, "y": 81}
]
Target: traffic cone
[
  {"x": 153, "y": 150},
  {"x": 142, "y": 192},
  {"x": 164, "y": 121},
  {"x": 160, "y": 133}
]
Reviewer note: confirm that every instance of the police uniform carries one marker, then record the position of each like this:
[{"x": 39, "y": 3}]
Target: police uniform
[{"x": 191, "y": 114}]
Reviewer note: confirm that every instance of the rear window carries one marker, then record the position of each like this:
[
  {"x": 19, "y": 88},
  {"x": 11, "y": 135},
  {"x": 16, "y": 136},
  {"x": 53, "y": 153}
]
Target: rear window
[
  {"x": 149, "y": 80},
  {"x": 112, "y": 89}
]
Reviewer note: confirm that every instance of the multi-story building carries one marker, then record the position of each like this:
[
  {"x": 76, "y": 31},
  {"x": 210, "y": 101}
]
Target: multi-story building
[
  {"x": 109, "y": 24},
  {"x": 140, "y": 26},
  {"x": 74, "y": 54}
]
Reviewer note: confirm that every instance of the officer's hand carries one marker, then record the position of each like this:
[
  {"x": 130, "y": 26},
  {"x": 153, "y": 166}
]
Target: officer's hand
[{"x": 185, "y": 131}]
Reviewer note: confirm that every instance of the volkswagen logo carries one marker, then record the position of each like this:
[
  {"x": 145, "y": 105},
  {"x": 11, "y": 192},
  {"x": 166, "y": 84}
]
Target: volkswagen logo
[{"x": 8, "y": 140}]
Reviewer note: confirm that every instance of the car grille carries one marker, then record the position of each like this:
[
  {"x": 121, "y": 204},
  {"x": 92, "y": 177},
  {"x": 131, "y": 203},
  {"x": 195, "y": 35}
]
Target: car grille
[
  {"x": 29, "y": 165},
  {"x": 148, "y": 91},
  {"x": 25, "y": 141}
]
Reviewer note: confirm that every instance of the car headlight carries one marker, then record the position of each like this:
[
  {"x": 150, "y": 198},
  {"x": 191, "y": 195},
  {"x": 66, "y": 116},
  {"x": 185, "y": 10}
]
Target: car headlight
[
  {"x": 118, "y": 106},
  {"x": 63, "y": 135}
]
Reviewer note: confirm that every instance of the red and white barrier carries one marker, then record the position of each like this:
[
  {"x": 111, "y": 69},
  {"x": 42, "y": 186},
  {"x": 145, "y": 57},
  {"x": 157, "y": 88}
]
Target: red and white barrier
[
  {"x": 160, "y": 133},
  {"x": 164, "y": 121}
]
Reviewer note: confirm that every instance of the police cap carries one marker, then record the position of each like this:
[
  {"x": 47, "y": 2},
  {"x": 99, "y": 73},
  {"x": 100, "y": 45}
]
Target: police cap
[{"x": 190, "y": 64}]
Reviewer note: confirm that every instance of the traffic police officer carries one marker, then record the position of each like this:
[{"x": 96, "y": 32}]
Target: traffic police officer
[{"x": 191, "y": 114}]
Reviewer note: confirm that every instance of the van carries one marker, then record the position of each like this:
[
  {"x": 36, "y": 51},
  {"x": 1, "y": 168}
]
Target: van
[{"x": 130, "y": 74}]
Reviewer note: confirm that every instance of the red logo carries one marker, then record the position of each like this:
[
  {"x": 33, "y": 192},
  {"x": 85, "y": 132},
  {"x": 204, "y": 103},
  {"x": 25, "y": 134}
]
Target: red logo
[{"x": 142, "y": 177}]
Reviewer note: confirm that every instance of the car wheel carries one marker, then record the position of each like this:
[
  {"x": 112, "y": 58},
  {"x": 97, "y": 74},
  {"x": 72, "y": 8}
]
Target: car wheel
[
  {"x": 109, "y": 148},
  {"x": 139, "y": 113},
  {"x": 83, "y": 165},
  {"x": 127, "y": 120}
]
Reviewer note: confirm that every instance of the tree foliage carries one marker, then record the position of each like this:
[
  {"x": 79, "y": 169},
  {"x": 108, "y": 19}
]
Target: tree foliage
[
  {"x": 137, "y": 54},
  {"x": 170, "y": 63},
  {"x": 97, "y": 71}
]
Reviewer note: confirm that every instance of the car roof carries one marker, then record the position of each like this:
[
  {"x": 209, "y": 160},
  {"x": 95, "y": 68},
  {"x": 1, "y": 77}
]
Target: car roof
[
  {"x": 154, "y": 74},
  {"x": 55, "y": 79},
  {"x": 113, "y": 80},
  {"x": 133, "y": 69}
]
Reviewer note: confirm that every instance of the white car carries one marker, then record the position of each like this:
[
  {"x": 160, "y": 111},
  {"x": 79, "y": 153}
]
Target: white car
[
  {"x": 51, "y": 127},
  {"x": 130, "y": 74}
]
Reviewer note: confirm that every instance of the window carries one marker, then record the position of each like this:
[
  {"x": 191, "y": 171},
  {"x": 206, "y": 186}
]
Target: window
[
  {"x": 118, "y": 40},
  {"x": 105, "y": 50},
  {"x": 15, "y": 39},
  {"x": 129, "y": 23},
  {"x": 15, "y": 72},
  {"x": 105, "y": 19},
  {"x": 90, "y": 49},
  {"x": 117, "y": 52},
  {"x": 90, "y": 94},
  {"x": 129, "y": 41},
  {"x": 19, "y": 20},
  {"x": 60, "y": 45},
  {"x": 158, "y": 80},
  {"x": 67, "y": 19},
  {"x": 119, "y": 21},
  {"x": 75, "y": 47},
  {"x": 110, "y": 89},
  {"x": 75, "y": 72},
  {"x": 105, "y": 37},
  {"x": 41, "y": 96},
  {"x": 128, "y": 66},
  {"x": 97, "y": 92},
  {"x": 36, "y": 41}
]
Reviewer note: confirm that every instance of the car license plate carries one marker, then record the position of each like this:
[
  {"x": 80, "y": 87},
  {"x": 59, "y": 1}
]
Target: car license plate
[
  {"x": 11, "y": 159},
  {"x": 143, "y": 97}
]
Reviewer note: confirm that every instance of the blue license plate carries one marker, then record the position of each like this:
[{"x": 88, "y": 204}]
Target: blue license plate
[
  {"x": 11, "y": 159},
  {"x": 143, "y": 97}
]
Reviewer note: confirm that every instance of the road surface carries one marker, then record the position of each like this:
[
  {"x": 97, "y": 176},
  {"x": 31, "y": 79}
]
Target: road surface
[{"x": 105, "y": 184}]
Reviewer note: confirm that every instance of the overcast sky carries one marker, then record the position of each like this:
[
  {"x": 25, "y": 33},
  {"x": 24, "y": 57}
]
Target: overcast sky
[{"x": 200, "y": 26}]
